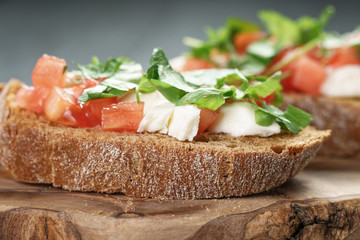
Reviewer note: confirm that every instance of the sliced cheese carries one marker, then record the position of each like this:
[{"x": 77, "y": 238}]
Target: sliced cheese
[{"x": 238, "y": 119}]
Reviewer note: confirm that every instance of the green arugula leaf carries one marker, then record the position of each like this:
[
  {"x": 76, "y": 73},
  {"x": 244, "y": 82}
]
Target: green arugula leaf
[
  {"x": 264, "y": 51},
  {"x": 232, "y": 79},
  {"x": 271, "y": 85},
  {"x": 259, "y": 54},
  {"x": 99, "y": 91},
  {"x": 210, "y": 77},
  {"x": 100, "y": 69},
  {"x": 145, "y": 86},
  {"x": 311, "y": 28},
  {"x": 293, "y": 119},
  {"x": 161, "y": 70},
  {"x": 221, "y": 38},
  {"x": 297, "y": 116},
  {"x": 285, "y": 30},
  {"x": 121, "y": 76},
  {"x": 235, "y": 25},
  {"x": 247, "y": 64},
  {"x": 263, "y": 118},
  {"x": 171, "y": 93},
  {"x": 209, "y": 98},
  {"x": 289, "y": 32},
  {"x": 279, "y": 99}
]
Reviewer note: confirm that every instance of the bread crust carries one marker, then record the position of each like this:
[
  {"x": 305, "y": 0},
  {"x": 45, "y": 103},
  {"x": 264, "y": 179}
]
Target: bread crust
[
  {"x": 341, "y": 115},
  {"x": 147, "y": 164}
]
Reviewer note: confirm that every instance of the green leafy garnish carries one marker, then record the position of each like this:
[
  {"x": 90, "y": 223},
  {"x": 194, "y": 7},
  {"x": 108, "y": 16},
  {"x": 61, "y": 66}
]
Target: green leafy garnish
[
  {"x": 283, "y": 32},
  {"x": 221, "y": 38},
  {"x": 160, "y": 68},
  {"x": 64, "y": 69},
  {"x": 288, "y": 32},
  {"x": 284, "y": 29},
  {"x": 228, "y": 84},
  {"x": 293, "y": 119},
  {"x": 259, "y": 54},
  {"x": 121, "y": 75}
]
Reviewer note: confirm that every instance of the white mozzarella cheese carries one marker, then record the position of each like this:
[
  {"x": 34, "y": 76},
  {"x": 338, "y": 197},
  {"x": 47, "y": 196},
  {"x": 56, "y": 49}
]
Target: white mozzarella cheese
[
  {"x": 184, "y": 124},
  {"x": 342, "y": 82},
  {"x": 238, "y": 119}
]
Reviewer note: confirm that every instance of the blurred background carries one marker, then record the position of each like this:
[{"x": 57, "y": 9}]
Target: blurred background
[{"x": 78, "y": 30}]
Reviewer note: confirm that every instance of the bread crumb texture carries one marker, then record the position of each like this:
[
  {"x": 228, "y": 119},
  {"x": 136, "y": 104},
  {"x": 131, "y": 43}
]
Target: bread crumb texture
[{"x": 147, "y": 164}]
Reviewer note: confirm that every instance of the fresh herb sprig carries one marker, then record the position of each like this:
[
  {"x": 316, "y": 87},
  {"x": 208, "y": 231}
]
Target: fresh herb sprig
[
  {"x": 120, "y": 74},
  {"x": 221, "y": 39},
  {"x": 288, "y": 32}
]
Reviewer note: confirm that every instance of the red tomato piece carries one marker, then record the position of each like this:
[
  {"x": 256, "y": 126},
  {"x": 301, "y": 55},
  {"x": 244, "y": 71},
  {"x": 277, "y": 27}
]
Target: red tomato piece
[
  {"x": 243, "y": 40},
  {"x": 32, "y": 98},
  {"x": 49, "y": 72},
  {"x": 207, "y": 117},
  {"x": 122, "y": 117},
  {"x": 93, "y": 109},
  {"x": 287, "y": 82},
  {"x": 197, "y": 64},
  {"x": 344, "y": 56},
  {"x": 317, "y": 54},
  {"x": 79, "y": 89},
  {"x": 269, "y": 99},
  {"x": 74, "y": 116},
  {"x": 57, "y": 103},
  {"x": 308, "y": 75}
]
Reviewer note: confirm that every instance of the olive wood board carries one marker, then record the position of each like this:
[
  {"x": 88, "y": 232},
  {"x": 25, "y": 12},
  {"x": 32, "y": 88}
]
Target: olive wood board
[{"x": 322, "y": 202}]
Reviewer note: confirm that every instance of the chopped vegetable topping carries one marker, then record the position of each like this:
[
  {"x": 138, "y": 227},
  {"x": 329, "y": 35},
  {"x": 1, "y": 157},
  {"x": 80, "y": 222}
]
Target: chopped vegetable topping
[
  {"x": 230, "y": 85},
  {"x": 93, "y": 96}
]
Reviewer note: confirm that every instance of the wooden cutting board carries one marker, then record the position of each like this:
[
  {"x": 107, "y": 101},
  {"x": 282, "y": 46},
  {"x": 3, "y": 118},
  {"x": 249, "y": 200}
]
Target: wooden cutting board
[{"x": 323, "y": 202}]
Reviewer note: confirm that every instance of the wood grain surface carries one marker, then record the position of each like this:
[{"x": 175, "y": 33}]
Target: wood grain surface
[{"x": 323, "y": 202}]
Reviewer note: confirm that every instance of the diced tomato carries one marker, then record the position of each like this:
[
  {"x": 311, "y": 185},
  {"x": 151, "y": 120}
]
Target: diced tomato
[
  {"x": 243, "y": 40},
  {"x": 269, "y": 99},
  {"x": 207, "y": 117},
  {"x": 305, "y": 74},
  {"x": 57, "y": 103},
  {"x": 32, "y": 98},
  {"x": 79, "y": 89},
  {"x": 197, "y": 64},
  {"x": 317, "y": 54},
  {"x": 286, "y": 82},
  {"x": 123, "y": 117},
  {"x": 344, "y": 56},
  {"x": 75, "y": 116},
  {"x": 93, "y": 108},
  {"x": 90, "y": 83},
  {"x": 308, "y": 75},
  {"x": 49, "y": 72}
]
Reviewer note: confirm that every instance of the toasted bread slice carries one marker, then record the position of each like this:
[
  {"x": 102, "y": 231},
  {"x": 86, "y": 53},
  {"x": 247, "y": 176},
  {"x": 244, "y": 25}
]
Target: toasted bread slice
[
  {"x": 147, "y": 164},
  {"x": 341, "y": 115}
]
